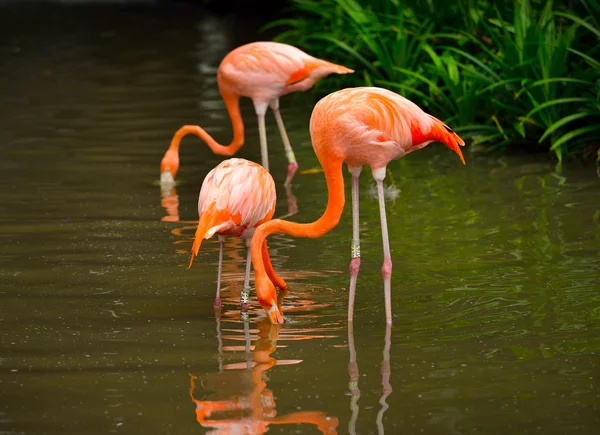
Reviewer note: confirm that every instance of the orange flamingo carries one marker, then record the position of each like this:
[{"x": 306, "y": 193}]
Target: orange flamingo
[
  {"x": 254, "y": 411},
  {"x": 235, "y": 198},
  {"x": 262, "y": 71},
  {"x": 359, "y": 126}
]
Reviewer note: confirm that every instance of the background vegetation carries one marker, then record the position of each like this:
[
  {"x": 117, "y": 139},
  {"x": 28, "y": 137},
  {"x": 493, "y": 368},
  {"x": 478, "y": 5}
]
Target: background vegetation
[{"x": 523, "y": 74}]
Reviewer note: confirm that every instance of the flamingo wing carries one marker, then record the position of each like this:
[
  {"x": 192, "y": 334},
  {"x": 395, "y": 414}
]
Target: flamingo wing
[
  {"x": 376, "y": 126},
  {"x": 298, "y": 76},
  {"x": 240, "y": 191},
  {"x": 263, "y": 64},
  {"x": 236, "y": 195}
]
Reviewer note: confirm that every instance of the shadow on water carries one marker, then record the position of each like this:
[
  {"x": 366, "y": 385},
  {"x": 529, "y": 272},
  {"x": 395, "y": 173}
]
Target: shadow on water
[{"x": 496, "y": 297}]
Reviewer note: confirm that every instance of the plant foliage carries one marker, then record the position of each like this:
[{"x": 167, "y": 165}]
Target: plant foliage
[{"x": 522, "y": 73}]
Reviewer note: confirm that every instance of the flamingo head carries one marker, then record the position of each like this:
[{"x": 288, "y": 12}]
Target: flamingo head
[
  {"x": 267, "y": 296},
  {"x": 455, "y": 147},
  {"x": 169, "y": 165},
  {"x": 453, "y": 141}
]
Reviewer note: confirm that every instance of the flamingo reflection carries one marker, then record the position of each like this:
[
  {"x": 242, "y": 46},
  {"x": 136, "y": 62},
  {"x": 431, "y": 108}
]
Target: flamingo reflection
[
  {"x": 254, "y": 411},
  {"x": 354, "y": 376},
  {"x": 169, "y": 200}
]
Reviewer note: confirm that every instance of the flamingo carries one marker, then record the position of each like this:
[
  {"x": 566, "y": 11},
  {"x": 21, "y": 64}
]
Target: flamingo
[
  {"x": 235, "y": 198},
  {"x": 262, "y": 71},
  {"x": 358, "y": 126}
]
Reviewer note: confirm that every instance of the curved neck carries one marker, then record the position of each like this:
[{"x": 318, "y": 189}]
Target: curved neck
[
  {"x": 331, "y": 217},
  {"x": 232, "y": 102}
]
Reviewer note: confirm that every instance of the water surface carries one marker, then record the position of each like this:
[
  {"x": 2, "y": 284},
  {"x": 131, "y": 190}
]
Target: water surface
[{"x": 496, "y": 296}]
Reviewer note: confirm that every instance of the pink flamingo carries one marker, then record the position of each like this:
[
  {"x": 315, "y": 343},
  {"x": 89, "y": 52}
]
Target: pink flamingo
[
  {"x": 358, "y": 126},
  {"x": 262, "y": 71},
  {"x": 236, "y": 197}
]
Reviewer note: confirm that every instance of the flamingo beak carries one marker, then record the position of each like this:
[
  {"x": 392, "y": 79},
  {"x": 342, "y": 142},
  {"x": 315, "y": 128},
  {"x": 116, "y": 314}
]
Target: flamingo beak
[
  {"x": 460, "y": 154},
  {"x": 455, "y": 143},
  {"x": 274, "y": 314}
]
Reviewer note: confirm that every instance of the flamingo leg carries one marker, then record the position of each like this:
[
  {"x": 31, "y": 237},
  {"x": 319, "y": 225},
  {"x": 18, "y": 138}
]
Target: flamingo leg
[
  {"x": 261, "y": 109},
  {"x": 289, "y": 152},
  {"x": 386, "y": 269},
  {"x": 355, "y": 250},
  {"x": 220, "y": 268},
  {"x": 245, "y": 295}
]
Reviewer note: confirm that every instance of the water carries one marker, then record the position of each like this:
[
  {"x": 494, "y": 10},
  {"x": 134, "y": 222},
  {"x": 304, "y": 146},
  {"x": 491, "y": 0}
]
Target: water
[{"x": 103, "y": 330}]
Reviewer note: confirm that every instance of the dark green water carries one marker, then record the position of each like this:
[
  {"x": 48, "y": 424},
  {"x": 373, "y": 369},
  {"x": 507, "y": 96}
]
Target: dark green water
[{"x": 496, "y": 292}]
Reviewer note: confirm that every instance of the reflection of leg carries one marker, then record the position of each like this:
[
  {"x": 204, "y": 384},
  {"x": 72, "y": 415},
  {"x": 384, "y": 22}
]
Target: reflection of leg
[
  {"x": 292, "y": 202},
  {"x": 385, "y": 377},
  {"x": 292, "y": 165},
  {"x": 261, "y": 109},
  {"x": 247, "y": 342},
  {"x": 385, "y": 363},
  {"x": 245, "y": 295},
  {"x": 219, "y": 340},
  {"x": 219, "y": 269},
  {"x": 353, "y": 384},
  {"x": 355, "y": 250},
  {"x": 386, "y": 269}
]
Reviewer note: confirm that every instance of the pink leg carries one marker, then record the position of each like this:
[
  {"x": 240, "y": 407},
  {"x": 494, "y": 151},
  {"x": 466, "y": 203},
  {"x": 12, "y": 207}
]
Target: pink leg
[
  {"x": 355, "y": 250},
  {"x": 386, "y": 269},
  {"x": 218, "y": 298},
  {"x": 244, "y": 296},
  {"x": 289, "y": 152},
  {"x": 262, "y": 132}
]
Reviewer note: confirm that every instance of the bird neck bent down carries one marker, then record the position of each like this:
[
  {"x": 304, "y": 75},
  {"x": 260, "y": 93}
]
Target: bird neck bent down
[
  {"x": 329, "y": 219},
  {"x": 232, "y": 102}
]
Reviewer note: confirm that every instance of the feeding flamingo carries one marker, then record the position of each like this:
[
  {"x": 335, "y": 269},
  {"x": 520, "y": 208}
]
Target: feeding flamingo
[
  {"x": 359, "y": 126},
  {"x": 235, "y": 198},
  {"x": 262, "y": 71}
]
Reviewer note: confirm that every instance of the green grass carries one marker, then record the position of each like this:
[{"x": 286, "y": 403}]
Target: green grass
[{"x": 524, "y": 75}]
